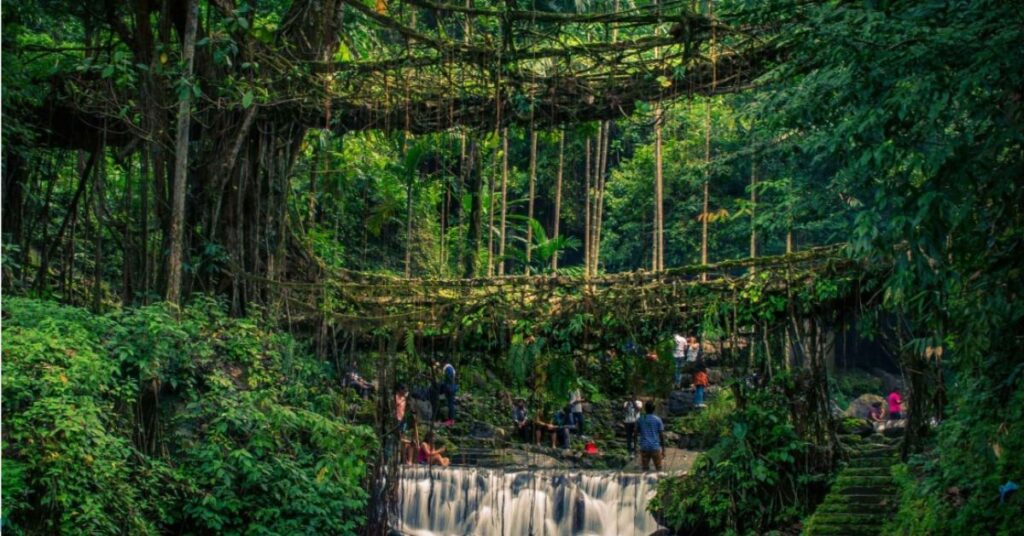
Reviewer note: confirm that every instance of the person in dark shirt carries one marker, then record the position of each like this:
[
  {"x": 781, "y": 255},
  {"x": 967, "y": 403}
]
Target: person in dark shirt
[{"x": 652, "y": 438}]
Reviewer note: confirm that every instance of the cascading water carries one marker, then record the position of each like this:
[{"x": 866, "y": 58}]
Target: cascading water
[{"x": 463, "y": 501}]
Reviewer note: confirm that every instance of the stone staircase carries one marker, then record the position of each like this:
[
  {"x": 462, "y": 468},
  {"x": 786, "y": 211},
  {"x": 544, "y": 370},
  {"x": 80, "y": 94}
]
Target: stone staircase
[{"x": 863, "y": 496}]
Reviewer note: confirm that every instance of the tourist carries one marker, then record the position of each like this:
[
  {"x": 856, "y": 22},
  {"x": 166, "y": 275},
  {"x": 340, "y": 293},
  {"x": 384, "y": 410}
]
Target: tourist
[
  {"x": 679, "y": 356},
  {"x": 409, "y": 445},
  {"x": 429, "y": 455},
  {"x": 895, "y": 404},
  {"x": 652, "y": 438},
  {"x": 631, "y": 410},
  {"x": 876, "y": 414},
  {"x": 521, "y": 419},
  {"x": 700, "y": 382},
  {"x": 576, "y": 405},
  {"x": 355, "y": 381},
  {"x": 401, "y": 400},
  {"x": 694, "y": 353},
  {"x": 563, "y": 423},
  {"x": 540, "y": 427}
]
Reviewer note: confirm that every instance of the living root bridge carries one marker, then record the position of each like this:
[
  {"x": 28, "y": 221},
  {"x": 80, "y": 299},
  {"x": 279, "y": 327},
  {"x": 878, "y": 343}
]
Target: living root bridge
[{"x": 365, "y": 303}]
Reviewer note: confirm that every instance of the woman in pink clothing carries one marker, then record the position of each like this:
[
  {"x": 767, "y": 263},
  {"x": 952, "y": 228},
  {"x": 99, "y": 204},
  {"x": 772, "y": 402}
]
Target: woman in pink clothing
[{"x": 895, "y": 404}]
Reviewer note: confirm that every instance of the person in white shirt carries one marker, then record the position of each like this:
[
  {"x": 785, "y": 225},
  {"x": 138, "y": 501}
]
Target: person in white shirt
[
  {"x": 679, "y": 355},
  {"x": 631, "y": 409},
  {"x": 576, "y": 405}
]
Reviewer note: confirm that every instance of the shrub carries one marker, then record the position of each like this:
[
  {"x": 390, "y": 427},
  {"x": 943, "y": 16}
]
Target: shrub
[
  {"x": 151, "y": 421},
  {"x": 749, "y": 482}
]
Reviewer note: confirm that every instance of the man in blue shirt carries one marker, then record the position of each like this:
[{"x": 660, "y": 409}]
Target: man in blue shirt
[{"x": 652, "y": 437}]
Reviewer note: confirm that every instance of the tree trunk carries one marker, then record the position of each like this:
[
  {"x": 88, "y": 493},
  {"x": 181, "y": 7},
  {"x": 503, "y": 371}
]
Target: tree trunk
[
  {"x": 587, "y": 216},
  {"x": 532, "y": 195},
  {"x": 658, "y": 256},
  {"x": 558, "y": 197},
  {"x": 475, "y": 211},
  {"x": 504, "y": 200},
  {"x": 408, "y": 226},
  {"x": 707, "y": 149},
  {"x": 753, "y": 214},
  {"x": 490, "y": 211},
  {"x": 601, "y": 177},
  {"x": 175, "y": 257},
  {"x": 99, "y": 212}
]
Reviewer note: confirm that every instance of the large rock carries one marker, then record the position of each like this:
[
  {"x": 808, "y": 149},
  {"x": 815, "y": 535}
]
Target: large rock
[
  {"x": 680, "y": 402},
  {"x": 422, "y": 409},
  {"x": 861, "y": 406}
]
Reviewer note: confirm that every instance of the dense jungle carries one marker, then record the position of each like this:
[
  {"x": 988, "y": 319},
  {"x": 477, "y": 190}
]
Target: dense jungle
[{"x": 473, "y": 267}]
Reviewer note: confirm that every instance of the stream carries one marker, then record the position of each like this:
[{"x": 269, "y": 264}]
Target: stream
[{"x": 463, "y": 501}]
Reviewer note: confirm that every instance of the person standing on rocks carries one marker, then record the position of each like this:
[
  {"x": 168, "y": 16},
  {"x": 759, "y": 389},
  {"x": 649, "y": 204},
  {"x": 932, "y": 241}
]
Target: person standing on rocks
[
  {"x": 652, "y": 438},
  {"x": 895, "y": 401},
  {"x": 576, "y": 404},
  {"x": 521, "y": 418},
  {"x": 700, "y": 383},
  {"x": 449, "y": 388},
  {"x": 679, "y": 356},
  {"x": 631, "y": 410}
]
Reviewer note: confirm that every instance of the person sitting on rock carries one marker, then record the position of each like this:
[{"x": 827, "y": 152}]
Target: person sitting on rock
[
  {"x": 876, "y": 414},
  {"x": 429, "y": 455},
  {"x": 540, "y": 427},
  {"x": 520, "y": 417}
]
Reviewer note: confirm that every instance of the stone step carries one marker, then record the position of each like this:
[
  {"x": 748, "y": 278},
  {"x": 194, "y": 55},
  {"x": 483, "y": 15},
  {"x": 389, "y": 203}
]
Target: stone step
[
  {"x": 846, "y": 479},
  {"x": 884, "y": 489},
  {"x": 872, "y": 461},
  {"x": 882, "y": 470},
  {"x": 838, "y": 507},
  {"x": 849, "y": 518},
  {"x": 874, "y": 500},
  {"x": 844, "y": 530}
]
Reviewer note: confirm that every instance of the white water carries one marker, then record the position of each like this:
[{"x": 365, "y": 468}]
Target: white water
[{"x": 464, "y": 501}]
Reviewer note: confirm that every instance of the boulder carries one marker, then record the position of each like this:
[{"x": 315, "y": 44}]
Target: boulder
[
  {"x": 421, "y": 408},
  {"x": 861, "y": 406},
  {"x": 680, "y": 402}
]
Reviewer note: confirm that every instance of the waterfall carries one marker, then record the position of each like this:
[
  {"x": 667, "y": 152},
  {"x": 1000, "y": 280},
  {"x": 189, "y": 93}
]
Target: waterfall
[{"x": 465, "y": 501}]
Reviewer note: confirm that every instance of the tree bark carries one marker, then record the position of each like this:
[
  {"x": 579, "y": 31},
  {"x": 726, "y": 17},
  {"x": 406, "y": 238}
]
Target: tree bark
[
  {"x": 175, "y": 257},
  {"x": 504, "y": 201},
  {"x": 707, "y": 150},
  {"x": 476, "y": 210},
  {"x": 490, "y": 211},
  {"x": 530, "y": 202},
  {"x": 558, "y": 197},
  {"x": 587, "y": 246},
  {"x": 658, "y": 260},
  {"x": 753, "y": 214}
]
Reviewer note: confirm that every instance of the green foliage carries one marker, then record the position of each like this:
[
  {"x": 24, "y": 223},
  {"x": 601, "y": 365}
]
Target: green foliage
[
  {"x": 708, "y": 424},
  {"x": 749, "y": 482},
  {"x": 149, "y": 421}
]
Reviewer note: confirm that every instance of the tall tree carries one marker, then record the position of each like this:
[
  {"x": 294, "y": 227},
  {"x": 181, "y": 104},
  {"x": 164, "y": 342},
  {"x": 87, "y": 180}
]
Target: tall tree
[
  {"x": 504, "y": 200},
  {"x": 532, "y": 196},
  {"x": 175, "y": 256},
  {"x": 558, "y": 196}
]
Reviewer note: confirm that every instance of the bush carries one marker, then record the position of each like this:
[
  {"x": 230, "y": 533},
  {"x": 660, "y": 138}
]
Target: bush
[
  {"x": 708, "y": 425},
  {"x": 146, "y": 421},
  {"x": 749, "y": 482}
]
